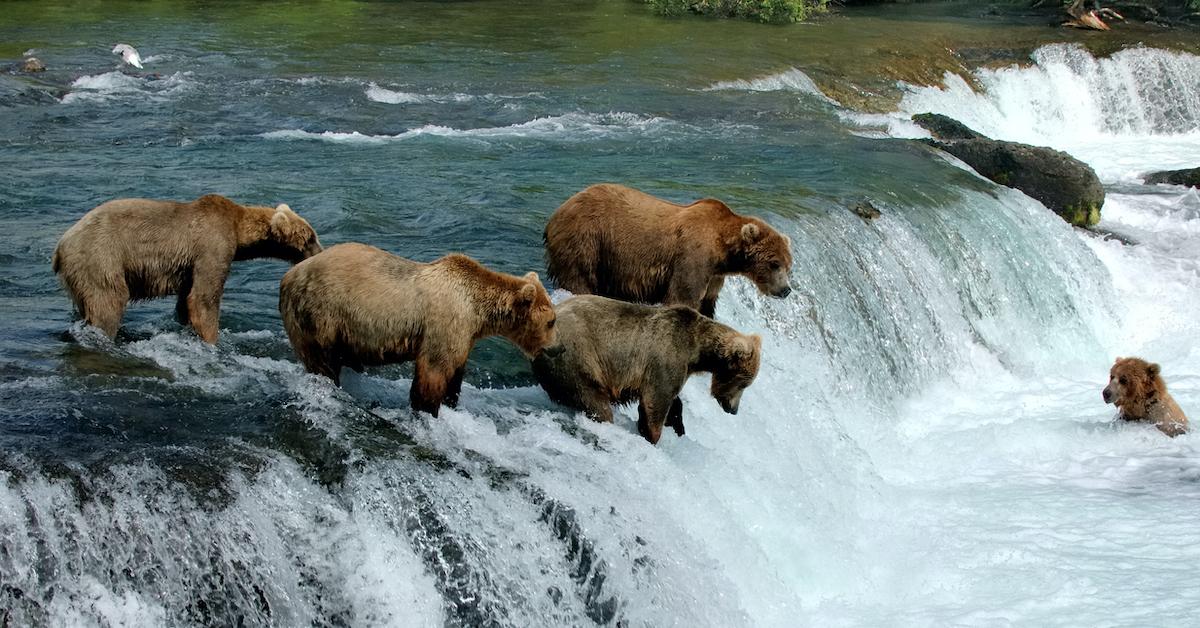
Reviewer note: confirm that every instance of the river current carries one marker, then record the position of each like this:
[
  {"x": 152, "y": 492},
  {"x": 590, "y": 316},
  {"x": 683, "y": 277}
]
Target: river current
[{"x": 924, "y": 445}]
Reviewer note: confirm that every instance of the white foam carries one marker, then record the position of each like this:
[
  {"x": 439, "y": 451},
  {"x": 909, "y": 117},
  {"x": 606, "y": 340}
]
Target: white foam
[
  {"x": 566, "y": 127},
  {"x": 119, "y": 85},
  {"x": 792, "y": 80},
  {"x": 391, "y": 97}
]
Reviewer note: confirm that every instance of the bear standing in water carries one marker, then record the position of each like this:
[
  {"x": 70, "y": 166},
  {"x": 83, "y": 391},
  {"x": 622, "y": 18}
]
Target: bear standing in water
[
  {"x": 135, "y": 248},
  {"x": 356, "y": 306},
  {"x": 1137, "y": 388},
  {"x": 616, "y": 352},
  {"x": 617, "y": 242}
]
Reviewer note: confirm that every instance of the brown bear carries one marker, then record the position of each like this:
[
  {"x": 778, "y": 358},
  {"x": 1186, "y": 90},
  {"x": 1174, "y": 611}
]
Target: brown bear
[
  {"x": 135, "y": 248},
  {"x": 617, "y": 242},
  {"x": 614, "y": 352},
  {"x": 1137, "y": 388},
  {"x": 356, "y": 306}
]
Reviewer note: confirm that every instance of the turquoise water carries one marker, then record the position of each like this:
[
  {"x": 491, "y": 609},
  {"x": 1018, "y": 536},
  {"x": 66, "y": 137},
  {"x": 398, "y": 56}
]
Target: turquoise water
[{"x": 925, "y": 444}]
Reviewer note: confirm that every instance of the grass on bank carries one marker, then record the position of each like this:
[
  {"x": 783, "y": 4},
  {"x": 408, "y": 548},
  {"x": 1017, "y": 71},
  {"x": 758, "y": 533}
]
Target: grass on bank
[{"x": 770, "y": 11}]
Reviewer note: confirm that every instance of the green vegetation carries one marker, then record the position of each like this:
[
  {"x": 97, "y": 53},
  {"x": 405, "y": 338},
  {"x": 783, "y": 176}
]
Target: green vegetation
[{"x": 770, "y": 11}]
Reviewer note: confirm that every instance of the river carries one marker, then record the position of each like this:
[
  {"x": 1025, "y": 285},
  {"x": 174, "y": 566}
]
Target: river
[{"x": 924, "y": 445}]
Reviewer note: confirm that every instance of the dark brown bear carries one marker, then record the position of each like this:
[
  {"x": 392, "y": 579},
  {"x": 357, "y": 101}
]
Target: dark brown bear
[
  {"x": 617, "y": 242},
  {"x": 357, "y": 306},
  {"x": 611, "y": 352},
  {"x": 135, "y": 248}
]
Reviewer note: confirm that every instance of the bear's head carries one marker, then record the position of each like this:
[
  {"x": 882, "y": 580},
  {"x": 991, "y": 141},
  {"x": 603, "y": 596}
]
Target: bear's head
[
  {"x": 1133, "y": 384},
  {"x": 534, "y": 317},
  {"x": 290, "y": 237},
  {"x": 766, "y": 257},
  {"x": 736, "y": 369}
]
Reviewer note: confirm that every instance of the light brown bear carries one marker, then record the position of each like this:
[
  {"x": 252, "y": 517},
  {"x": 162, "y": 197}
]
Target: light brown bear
[
  {"x": 615, "y": 352},
  {"x": 135, "y": 248},
  {"x": 617, "y": 242},
  {"x": 1137, "y": 388},
  {"x": 357, "y": 306}
]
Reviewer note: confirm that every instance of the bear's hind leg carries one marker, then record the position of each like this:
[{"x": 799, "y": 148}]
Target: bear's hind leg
[
  {"x": 596, "y": 406},
  {"x": 327, "y": 366},
  {"x": 105, "y": 311},
  {"x": 428, "y": 387}
]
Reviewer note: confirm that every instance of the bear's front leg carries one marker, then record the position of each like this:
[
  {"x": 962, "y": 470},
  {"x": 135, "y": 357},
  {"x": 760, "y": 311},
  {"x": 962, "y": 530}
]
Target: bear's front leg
[
  {"x": 708, "y": 305},
  {"x": 429, "y": 386},
  {"x": 652, "y": 415},
  {"x": 181, "y": 302},
  {"x": 686, "y": 288},
  {"x": 454, "y": 387},
  {"x": 204, "y": 300},
  {"x": 675, "y": 416}
]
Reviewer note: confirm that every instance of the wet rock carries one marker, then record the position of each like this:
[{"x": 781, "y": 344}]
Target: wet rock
[
  {"x": 865, "y": 210},
  {"x": 946, "y": 128},
  {"x": 32, "y": 64},
  {"x": 1065, "y": 185},
  {"x": 1187, "y": 176}
]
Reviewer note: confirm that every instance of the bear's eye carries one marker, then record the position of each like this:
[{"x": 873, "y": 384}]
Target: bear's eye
[
  {"x": 775, "y": 265},
  {"x": 1122, "y": 381},
  {"x": 551, "y": 325}
]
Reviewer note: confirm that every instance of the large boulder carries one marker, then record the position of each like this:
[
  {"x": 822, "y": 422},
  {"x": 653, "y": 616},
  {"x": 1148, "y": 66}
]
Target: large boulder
[
  {"x": 1065, "y": 185},
  {"x": 946, "y": 128},
  {"x": 1189, "y": 177}
]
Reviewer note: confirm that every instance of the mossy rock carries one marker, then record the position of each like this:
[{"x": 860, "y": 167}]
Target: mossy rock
[
  {"x": 1065, "y": 185},
  {"x": 1189, "y": 177}
]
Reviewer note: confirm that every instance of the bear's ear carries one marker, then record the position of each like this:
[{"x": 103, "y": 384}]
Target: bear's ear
[
  {"x": 282, "y": 207},
  {"x": 279, "y": 220},
  {"x": 1153, "y": 370},
  {"x": 751, "y": 232},
  {"x": 526, "y": 295},
  {"x": 532, "y": 277},
  {"x": 743, "y": 347}
]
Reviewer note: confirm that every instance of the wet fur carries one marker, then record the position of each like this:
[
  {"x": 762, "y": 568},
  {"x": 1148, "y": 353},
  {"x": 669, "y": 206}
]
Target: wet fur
[
  {"x": 617, "y": 352},
  {"x": 357, "y": 306},
  {"x": 1137, "y": 388},
  {"x": 134, "y": 249},
  {"x": 615, "y": 241}
]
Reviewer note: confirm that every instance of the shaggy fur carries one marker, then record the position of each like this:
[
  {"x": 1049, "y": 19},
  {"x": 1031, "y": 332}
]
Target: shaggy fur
[
  {"x": 357, "y": 306},
  {"x": 1137, "y": 388},
  {"x": 618, "y": 242},
  {"x": 616, "y": 352},
  {"x": 135, "y": 248}
]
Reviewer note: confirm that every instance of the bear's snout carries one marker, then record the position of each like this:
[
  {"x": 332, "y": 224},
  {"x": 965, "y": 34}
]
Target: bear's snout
[
  {"x": 784, "y": 291},
  {"x": 730, "y": 404},
  {"x": 1107, "y": 395},
  {"x": 553, "y": 351}
]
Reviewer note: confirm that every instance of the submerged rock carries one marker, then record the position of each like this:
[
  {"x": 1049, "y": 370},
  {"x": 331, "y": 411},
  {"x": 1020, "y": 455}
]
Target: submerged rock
[
  {"x": 1064, "y": 184},
  {"x": 865, "y": 210},
  {"x": 1187, "y": 176}
]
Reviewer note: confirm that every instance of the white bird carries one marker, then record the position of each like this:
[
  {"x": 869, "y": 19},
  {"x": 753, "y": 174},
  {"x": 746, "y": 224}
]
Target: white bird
[{"x": 129, "y": 54}]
